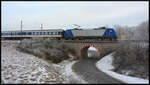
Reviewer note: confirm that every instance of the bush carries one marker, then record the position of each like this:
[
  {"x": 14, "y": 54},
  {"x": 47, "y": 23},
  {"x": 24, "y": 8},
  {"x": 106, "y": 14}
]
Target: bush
[
  {"x": 46, "y": 48},
  {"x": 132, "y": 56}
]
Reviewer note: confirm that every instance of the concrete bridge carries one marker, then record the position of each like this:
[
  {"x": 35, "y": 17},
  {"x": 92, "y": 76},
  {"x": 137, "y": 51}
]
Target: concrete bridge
[{"x": 103, "y": 47}]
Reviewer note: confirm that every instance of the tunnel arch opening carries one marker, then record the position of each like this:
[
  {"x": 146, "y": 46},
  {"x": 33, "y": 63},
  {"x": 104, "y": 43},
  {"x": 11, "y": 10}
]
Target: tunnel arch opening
[{"x": 84, "y": 51}]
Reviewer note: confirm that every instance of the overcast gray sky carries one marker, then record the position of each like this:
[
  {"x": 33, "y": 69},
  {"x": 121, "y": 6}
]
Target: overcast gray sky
[{"x": 62, "y": 15}]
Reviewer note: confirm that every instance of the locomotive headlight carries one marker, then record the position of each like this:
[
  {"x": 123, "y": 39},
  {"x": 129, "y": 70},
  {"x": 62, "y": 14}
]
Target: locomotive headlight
[{"x": 110, "y": 31}]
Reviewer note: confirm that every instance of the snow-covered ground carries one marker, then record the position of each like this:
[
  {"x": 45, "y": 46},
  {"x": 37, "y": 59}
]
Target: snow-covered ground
[
  {"x": 92, "y": 48},
  {"x": 92, "y": 52},
  {"x": 18, "y": 67},
  {"x": 105, "y": 65}
]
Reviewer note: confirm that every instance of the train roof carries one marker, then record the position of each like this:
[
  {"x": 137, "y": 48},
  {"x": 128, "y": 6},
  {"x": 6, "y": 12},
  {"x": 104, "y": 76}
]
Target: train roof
[{"x": 34, "y": 30}]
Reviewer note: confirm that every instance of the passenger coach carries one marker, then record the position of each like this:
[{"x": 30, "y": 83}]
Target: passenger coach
[{"x": 32, "y": 33}]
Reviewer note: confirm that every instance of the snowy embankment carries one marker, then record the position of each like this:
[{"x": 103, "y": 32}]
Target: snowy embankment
[
  {"x": 18, "y": 67},
  {"x": 105, "y": 65}
]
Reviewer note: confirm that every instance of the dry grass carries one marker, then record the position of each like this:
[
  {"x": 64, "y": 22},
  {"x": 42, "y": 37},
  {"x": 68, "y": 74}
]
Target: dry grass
[{"x": 46, "y": 48}]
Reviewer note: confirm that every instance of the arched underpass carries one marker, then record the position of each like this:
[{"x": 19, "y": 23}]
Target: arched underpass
[
  {"x": 81, "y": 48},
  {"x": 86, "y": 52}
]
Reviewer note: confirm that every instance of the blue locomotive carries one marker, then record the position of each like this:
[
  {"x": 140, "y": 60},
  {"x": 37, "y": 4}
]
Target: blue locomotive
[{"x": 108, "y": 33}]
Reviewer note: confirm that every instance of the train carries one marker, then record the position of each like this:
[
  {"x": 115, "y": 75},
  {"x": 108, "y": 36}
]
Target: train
[{"x": 69, "y": 34}]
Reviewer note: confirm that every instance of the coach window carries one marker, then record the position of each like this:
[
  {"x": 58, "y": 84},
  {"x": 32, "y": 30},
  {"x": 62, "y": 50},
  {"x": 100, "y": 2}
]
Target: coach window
[
  {"x": 51, "y": 33},
  {"x": 18, "y": 33},
  {"x": 58, "y": 33},
  {"x": 44, "y": 33},
  {"x": 55, "y": 33}
]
